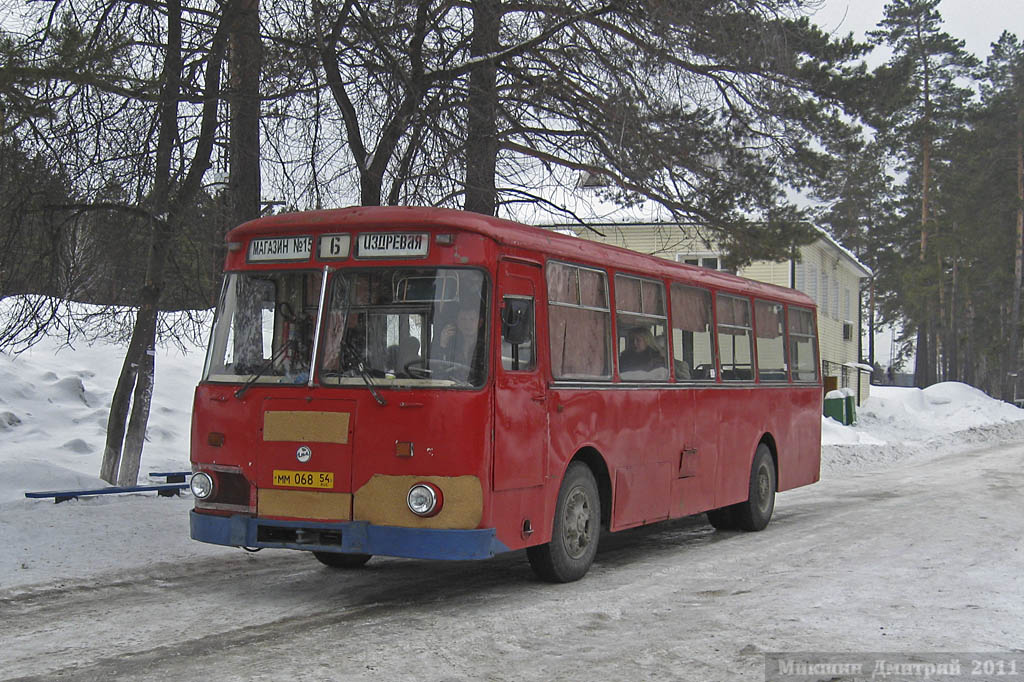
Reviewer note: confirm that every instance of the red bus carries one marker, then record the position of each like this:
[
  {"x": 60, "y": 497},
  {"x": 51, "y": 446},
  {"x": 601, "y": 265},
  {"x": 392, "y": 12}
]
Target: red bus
[{"x": 436, "y": 384}]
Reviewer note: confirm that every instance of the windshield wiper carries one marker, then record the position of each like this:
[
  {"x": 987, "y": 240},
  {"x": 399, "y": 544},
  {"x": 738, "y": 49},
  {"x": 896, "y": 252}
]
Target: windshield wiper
[
  {"x": 262, "y": 370},
  {"x": 361, "y": 368}
]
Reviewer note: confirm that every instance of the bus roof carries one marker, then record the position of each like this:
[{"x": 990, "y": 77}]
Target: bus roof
[{"x": 507, "y": 233}]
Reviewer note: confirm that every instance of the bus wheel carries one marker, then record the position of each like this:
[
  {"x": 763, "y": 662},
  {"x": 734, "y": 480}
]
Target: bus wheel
[
  {"x": 756, "y": 512},
  {"x": 339, "y": 560},
  {"x": 575, "y": 532}
]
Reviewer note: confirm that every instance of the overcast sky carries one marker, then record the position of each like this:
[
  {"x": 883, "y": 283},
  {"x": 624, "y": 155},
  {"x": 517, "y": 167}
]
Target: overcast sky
[{"x": 978, "y": 22}]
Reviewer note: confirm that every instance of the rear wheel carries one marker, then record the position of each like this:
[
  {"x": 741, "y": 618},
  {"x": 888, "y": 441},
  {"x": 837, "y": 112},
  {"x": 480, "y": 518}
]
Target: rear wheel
[
  {"x": 756, "y": 512},
  {"x": 339, "y": 560},
  {"x": 575, "y": 531}
]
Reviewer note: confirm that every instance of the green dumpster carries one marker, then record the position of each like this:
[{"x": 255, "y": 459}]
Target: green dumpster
[
  {"x": 840, "y": 406},
  {"x": 851, "y": 409}
]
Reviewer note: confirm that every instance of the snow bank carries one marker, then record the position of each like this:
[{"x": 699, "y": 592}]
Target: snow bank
[
  {"x": 897, "y": 424},
  {"x": 54, "y": 403}
]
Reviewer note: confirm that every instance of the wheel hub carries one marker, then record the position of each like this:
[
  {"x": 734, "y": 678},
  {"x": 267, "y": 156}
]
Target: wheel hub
[{"x": 577, "y": 534}]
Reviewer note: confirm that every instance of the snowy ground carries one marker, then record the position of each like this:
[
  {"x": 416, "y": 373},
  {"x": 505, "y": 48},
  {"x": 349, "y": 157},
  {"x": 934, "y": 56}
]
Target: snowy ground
[
  {"x": 910, "y": 543},
  {"x": 53, "y": 410}
]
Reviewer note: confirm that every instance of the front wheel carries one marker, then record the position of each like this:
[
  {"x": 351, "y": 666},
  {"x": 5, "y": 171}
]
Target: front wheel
[
  {"x": 339, "y": 560},
  {"x": 575, "y": 532}
]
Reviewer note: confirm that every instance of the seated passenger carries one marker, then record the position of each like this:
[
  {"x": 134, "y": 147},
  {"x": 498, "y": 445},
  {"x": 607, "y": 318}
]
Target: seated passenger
[{"x": 640, "y": 355}]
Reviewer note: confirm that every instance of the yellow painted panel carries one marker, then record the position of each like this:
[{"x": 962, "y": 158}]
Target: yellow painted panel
[
  {"x": 304, "y": 504},
  {"x": 382, "y": 501},
  {"x": 306, "y": 426}
]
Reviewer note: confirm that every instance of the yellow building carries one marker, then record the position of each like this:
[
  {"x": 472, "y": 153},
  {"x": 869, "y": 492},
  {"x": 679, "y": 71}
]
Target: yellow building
[{"x": 824, "y": 270}]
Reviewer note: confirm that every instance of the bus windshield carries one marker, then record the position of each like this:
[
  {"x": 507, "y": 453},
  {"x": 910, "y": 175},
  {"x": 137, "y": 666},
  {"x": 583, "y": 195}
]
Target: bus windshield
[
  {"x": 406, "y": 327},
  {"x": 263, "y": 329}
]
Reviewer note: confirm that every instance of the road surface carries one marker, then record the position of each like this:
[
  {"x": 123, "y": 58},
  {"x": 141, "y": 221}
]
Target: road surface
[{"x": 923, "y": 557}]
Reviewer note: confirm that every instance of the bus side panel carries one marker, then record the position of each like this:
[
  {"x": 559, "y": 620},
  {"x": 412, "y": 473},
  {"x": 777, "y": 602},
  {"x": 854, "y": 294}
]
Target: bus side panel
[
  {"x": 800, "y": 457},
  {"x": 523, "y": 517},
  {"x": 693, "y": 490},
  {"x": 639, "y": 433},
  {"x": 790, "y": 416},
  {"x": 731, "y": 415}
]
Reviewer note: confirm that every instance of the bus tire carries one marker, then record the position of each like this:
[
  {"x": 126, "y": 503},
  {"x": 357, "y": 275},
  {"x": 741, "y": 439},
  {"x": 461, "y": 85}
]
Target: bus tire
[
  {"x": 340, "y": 560},
  {"x": 575, "y": 531},
  {"x": 756, "y": 512},
  {"x": 722, "y": 519}
]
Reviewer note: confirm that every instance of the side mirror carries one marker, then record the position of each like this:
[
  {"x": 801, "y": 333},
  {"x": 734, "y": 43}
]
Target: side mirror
[{"x": 515, "y": 320}]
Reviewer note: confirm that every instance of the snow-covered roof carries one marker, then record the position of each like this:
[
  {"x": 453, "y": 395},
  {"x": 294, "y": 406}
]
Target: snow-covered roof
[{"x": 846, "y": 253}]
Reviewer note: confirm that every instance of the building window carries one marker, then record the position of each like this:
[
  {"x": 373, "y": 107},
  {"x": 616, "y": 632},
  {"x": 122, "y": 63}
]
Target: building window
[
  {"x": 835, "y": 298},
  {"x": 807, "y": 279},
  {"x": 823, "y": 299},
  {"x": 709, "y": 261}
]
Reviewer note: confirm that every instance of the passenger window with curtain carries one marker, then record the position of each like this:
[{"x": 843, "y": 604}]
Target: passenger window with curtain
[
  {"x": 579, "y": 322},
  {"x": 735, "y": 335},
  {"x": 769, "y": 319},
  {"x": 642, "y": 329},
  {"x": 693, "y": 346},
  {"x": 803, "y": 351}
]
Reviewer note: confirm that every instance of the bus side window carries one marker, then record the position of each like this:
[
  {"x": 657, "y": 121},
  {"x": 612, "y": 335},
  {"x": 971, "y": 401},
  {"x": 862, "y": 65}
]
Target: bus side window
[
  {"x": 693, "y": 343},
  {"x": 517, "y": 333}
]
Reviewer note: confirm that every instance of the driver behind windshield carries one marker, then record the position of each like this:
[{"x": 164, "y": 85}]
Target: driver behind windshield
[{"x": 458, "y": 342}]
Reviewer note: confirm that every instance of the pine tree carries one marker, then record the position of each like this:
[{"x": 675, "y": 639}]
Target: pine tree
[
  {"x": 1003, "y": 102},
  {"x": 923, "y": 102}
]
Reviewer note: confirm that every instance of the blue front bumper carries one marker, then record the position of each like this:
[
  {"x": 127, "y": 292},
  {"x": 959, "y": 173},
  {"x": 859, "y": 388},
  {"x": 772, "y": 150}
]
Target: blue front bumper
[{"x": 355, "y": 537}]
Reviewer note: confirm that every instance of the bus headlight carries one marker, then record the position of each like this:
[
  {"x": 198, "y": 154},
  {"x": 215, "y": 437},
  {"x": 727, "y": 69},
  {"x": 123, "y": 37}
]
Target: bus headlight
[
  {"x": 424, "y": 499},
  {"x": 201, "y": 485}
]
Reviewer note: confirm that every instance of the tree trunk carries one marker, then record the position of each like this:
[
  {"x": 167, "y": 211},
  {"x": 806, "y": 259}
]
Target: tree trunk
[
  {"x": 481, "y": 114},
  {"x": 119, "y": 405},
  {"x": 921, "y": 357},
  {"x": 871, "y": 322},
  {"x": 244, "y": 103},
  {"x": 141, "y": 402},
  {"x": 1013, "y": 351}
]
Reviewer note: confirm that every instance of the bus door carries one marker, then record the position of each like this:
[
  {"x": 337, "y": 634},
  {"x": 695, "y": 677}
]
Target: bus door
[
  {"x": 520, "y": 402},
  {"x": 305, "y": 464}
]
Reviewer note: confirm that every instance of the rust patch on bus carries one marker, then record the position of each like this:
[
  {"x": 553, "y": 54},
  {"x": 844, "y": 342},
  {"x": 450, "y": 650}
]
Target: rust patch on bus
[
  {"x": 304, "y": 504},
  {"x": 306, "y": 426},
  {"x": 382, "y": 501}
]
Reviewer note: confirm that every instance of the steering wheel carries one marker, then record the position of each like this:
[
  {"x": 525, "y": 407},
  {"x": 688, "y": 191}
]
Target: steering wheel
[{"x": 422, "y": 369}]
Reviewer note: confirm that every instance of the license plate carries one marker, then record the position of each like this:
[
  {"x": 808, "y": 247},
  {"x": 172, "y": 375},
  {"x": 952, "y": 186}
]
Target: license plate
[{"x": 304, "y": 479}]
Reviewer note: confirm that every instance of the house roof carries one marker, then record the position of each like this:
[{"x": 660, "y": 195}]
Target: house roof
[{"x": 864, "y": 270}]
